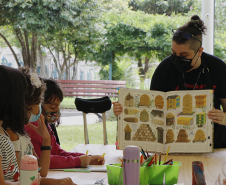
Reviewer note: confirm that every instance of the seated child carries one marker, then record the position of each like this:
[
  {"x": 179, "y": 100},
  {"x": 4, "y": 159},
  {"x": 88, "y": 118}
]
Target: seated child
[
  {"x": 22, "y": 143},
  {"x": 12, "y": 115},
  {"x": 59, "y": 158}
]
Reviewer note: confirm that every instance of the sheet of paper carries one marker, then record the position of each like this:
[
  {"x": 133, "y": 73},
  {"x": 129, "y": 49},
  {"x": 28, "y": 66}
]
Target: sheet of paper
[
  {"x": 97, "y": 168},
  {"x": 93, "y": 168},
  {"x": 85, "y": 181}
]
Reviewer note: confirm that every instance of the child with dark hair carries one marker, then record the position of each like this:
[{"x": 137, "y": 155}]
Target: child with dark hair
[
  {"x": 12, "y": 115},
  {"x": 50, "y": 109},
  {"x": 22, "y": 143}
]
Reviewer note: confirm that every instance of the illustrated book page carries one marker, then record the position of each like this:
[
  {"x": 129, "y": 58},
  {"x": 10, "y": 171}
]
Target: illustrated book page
[{"x": 154, "y": 120}]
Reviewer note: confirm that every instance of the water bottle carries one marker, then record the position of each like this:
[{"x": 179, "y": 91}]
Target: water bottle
[
  {"x": 131, "y": 163},
  {"x": 29, "y": 170}
]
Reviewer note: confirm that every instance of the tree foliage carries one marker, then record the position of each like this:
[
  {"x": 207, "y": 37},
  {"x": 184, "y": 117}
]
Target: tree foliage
[
  {"x": 162, "y": 6},
  {"x": 31, "y": 19}
]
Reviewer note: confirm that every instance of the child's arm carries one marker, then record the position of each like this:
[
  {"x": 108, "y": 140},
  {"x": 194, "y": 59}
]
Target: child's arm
[
  {"x": 44, "y": 159},
  {"x": 16, "y": 144},
  {"x": 51, "y": 181},
  {"x": 2, "y": 180}
]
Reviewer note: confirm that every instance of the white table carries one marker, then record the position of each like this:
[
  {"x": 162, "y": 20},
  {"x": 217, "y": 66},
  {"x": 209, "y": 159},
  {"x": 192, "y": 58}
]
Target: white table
[{"x": 213, "y": 164}]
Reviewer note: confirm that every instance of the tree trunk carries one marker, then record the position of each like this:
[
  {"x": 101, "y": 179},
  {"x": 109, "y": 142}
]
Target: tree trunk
[
  {"x": 23, "y": 46},
  {"x": 143, "y": 71},
  {"x": 33, "y": 63},
  {"x": 75, "y": 66},
  {"x": 10, "y": 47},
  {"x": 29, "y": 57},
  {"x": 42, "y": 65},
  {"x": 27, "y": 47}
]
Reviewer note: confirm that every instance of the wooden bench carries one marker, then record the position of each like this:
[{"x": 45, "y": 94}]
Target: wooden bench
[{"x": 92, "y": 88}]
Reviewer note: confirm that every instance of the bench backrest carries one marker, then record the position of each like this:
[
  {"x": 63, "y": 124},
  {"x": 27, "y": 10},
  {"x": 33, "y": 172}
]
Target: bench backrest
[{"x": 91, "y": 87}]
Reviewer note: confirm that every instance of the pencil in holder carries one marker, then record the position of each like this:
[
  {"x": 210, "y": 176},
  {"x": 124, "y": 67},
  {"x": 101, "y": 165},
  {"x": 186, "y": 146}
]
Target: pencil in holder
[
  {"x": 151, "y": 175},
  {"x": 171, "y": 172},
  {"x": 115, "y": 174}
]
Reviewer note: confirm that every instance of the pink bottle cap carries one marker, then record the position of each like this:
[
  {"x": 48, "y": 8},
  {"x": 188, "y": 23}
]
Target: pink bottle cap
[
  {"x": 29, "y": 162},
  {"x": 131, "y": 153}
]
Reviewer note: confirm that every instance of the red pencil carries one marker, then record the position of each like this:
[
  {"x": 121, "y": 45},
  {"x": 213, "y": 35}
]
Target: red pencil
[
  {"x": 141, "y": 159},
  {"x": 155, "y": 158},
  {"x": 151, "y": 162},
  {"x": 168, "y": 162},
  {"x": 147, "y": 153}
]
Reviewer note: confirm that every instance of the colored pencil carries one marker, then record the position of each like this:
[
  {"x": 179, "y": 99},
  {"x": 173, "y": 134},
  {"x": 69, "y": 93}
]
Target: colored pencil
[
  {"x": 167, "y": 154},
  {"x": 155, "y": 158},
  {"x": 159, "y": 158}
]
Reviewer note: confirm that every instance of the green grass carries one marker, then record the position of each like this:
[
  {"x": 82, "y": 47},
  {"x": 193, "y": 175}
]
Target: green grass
[
  {"x": 69, "y": 102},
  {"x": 71, "y": 136}
]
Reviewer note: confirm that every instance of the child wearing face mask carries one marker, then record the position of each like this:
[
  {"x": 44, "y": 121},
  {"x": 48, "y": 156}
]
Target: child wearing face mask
[
  {"x": 22, "y": 142},
  {"x": 59, "y": 158}
]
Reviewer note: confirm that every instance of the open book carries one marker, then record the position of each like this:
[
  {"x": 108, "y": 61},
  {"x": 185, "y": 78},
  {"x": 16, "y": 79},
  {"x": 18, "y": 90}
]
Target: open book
[{"x": 154, "y": 120}]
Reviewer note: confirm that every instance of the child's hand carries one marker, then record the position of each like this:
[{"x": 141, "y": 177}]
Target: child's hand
[
  {"x": 85, "y": 160},
  {"x": 224, "y": 182},
  {"x": 94, "y": 160},
  {"x": 64, "y": 181},
  {"x": 117, "y": 108},
  {"x": 41, "y": 128}
]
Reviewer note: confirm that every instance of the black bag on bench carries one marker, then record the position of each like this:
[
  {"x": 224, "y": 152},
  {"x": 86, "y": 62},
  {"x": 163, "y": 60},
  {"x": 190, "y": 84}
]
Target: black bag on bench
[{"x": 98, "y": 105}]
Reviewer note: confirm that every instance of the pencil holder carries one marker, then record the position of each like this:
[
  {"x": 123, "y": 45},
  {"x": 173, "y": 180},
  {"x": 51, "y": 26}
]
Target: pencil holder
[
  {"x": 171, "y": 173},
  {"x": 152, "y": 175},
  {"x": 115, "y": 174}
]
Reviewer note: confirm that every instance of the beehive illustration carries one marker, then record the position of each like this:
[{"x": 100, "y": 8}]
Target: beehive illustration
[
  {"x": 170, "y": 118},
  {"x": 185, "y": 121},
  {"x": 131, "y": 119},
  {"x": 199, "y": 136},
  {"x": 160, "y": 134},
  {"x": 187, "y": 104},
  {"x": 170, "y": 136},
  {"x": 144, "y": 100},
  {"x": 129, "y": 111},
  {"x": 158, "y": 113},
  {"x": 157, "y": 122},
  {"x": 173, "y": 102},
  {"x": 182, "y": 136},
  {"x": 159, "y": 102},
  {"x": 127, "y": 131},
  {"x": 200, "y": 119},
  {"x": 144, "y": 116},
  {"x": 144, "y": 133},
  {"x": 200, "y": 101},
  {"x": 129, "y": 101}
]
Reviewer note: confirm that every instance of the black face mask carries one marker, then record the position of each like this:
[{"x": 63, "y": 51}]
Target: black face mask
[{"x": 182, "y": 64}]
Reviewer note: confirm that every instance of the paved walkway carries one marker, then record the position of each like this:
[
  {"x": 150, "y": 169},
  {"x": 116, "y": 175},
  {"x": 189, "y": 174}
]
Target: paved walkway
[
  {"x": 71, "y": 117},
  {"x": 78, "y": 120}
]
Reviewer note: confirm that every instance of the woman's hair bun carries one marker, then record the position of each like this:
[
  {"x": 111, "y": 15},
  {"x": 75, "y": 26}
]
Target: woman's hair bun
[{"x": 198, "y": 23}]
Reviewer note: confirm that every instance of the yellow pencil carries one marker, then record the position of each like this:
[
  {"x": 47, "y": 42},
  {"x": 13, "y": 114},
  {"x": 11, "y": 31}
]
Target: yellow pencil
[
  {"x": 87, "y": 152},
  {"x": 101, "y": 157},
  {"x": 167, "y": 154}
]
